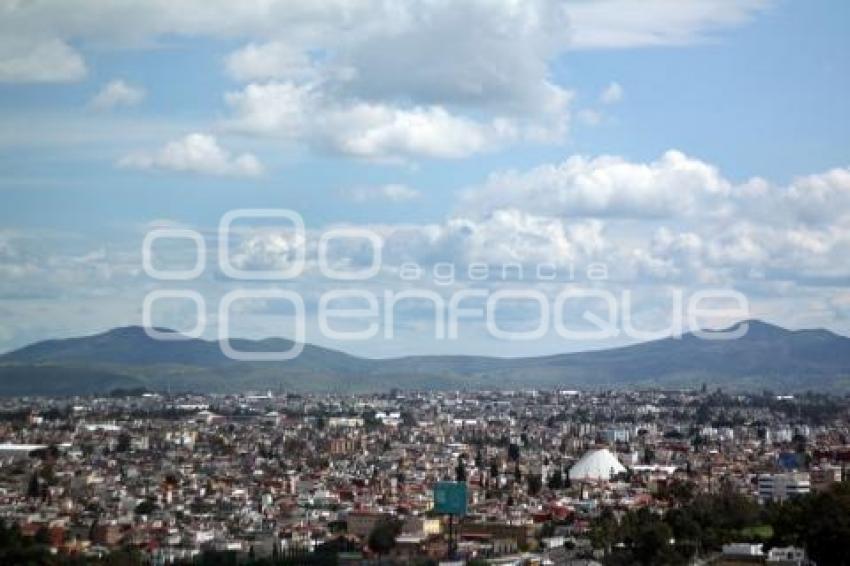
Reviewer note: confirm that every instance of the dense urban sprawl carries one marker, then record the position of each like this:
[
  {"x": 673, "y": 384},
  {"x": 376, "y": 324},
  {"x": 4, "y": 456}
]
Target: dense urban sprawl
[{"x": 552, "y": 477}]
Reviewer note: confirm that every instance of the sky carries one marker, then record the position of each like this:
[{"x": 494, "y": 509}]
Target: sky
[{"x": 684, "y": 145}]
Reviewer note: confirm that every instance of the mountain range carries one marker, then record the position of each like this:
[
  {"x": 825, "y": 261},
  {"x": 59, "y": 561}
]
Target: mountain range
[{"x": 767, "y": 356}]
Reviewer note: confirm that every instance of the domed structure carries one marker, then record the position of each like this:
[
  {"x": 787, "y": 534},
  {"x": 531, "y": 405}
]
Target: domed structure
[{"x": 596, "y": 465}]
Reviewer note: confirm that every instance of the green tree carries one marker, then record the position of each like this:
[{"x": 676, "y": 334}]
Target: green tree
[
  {"x": 460, "y": 469},
  {"x": 556, "y": 481},
  {"x": 124, "y": 440},
  {"x": 513, "y": 452},
  {"x": 42, "y": 536},
  {"x": 603, "y": 530},
  {"x": 819, "y": 522},
  {"x": 535, "y": 484},
  {"x": 33, "y": 488},
  {"x": 383, "y": 537}
]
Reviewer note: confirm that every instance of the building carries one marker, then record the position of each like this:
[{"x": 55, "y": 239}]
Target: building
[
  {"x": 596, "y": 465},
  {"x": 779, "y": 487},
  {"x": 787, "y": 556},
  {"x": 825, "y": 475},
  {"x": 361, "y": 524}
]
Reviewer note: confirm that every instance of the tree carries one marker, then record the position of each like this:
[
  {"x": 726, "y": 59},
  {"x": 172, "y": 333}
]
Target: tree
[
  {"x": 652, "y": 543},
  {"x": 535, "y": 484},
  {"x": 18, "y": 549},
  {"x": 513, "y": 452},
  {"x": 33, "y": 488},
  {"x": 603, "y": 530},
  {"x": 686, "y": 530},
  {"x": 146, "y": 507},
  {"x": 123, "y": 442},
  {"x": 556, "y": 481},
  {"x": 383, "y": 536},
  {"x": 370, "y": 420},
  {"x": 42, "y": 536},
  {"x": 680, "y": 492},
  {"x": 408, "y": 419},
  {"x": 460, "y": 470},
  {"x": 819, "y": 522}
]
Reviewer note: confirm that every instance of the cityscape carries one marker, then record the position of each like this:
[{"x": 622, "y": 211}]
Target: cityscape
[
  {"x": 550, "y": 477},
  {"x": 424, "y": 282}
]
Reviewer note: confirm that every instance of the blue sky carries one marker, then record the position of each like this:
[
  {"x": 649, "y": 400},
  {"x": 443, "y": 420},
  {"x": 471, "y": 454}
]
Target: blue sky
[{"x": 116, "y": 119}]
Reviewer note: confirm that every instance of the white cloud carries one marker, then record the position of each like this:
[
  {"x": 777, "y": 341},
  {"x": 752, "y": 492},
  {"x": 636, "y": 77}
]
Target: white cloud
[
  {"x": 605, "y": 186},
  {"x": 430, "y": 52},
  {"x": 755, "y": 237},
  {"x": 272, "y": 60},
  {"x": 410, "y": 81},
  {"x": 195, "y": 153},
  {"x": 513, "y": 235},
  {"x": 392, "y": 192},
  {"x": 518, "y": 37},
  {"x": 380, "y": 81},
  {"x": 604, "y": 24},
  {"x": 678, "y": 219},
  {"x": 381, "y": 132},
  {"x": 373, "y": 131},
  {"x": 117, "y": 93},
  {"x": 34, "y": 60},
  {"x": 280, "y": 109},
  {"x": 820, "y": 198},
  {"x": 612, "y": 94},
  {"x": 673, "y": 221}
]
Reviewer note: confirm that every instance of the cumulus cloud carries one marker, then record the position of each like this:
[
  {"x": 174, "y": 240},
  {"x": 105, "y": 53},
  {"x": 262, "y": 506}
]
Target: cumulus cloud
[
  {"x": 678, "y": 219},
  {"x": 606, "y": 186},
  {"x": 355, "y": 32},
  {"x": 375, "y": 80},
  {"x": 751, "y": 236},
  {"x": 281, "y": 109},
  {"x": 392, "y": 192},
  {"x": 195, "y": 153},
  {"x": 675, "y": 220},
  {"x": 412, "y": 82},
  {"x": 820, "y": 198},
  {"x": 374, "y": 131},
  {"x": 37, "y": 60},
  {"x": 271, "y": 60},
  {"x": 515, "y": 236},
  {"x": 117, "y": 93},
  {"x": 382, "y": 132}
]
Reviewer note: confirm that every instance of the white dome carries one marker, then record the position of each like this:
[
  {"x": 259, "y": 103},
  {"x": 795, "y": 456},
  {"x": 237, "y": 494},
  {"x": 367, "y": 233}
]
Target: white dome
[{"x": 596, "y": 465}]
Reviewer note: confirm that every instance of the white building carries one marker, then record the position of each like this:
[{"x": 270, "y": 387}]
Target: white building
[
  {"x": 596, "y": 465},
  {"x": 788, "y": 555},
  {"x": 779, "y": 487},
  {"x": 742, "y": 549},
  {"x": 613, "y": 435}
]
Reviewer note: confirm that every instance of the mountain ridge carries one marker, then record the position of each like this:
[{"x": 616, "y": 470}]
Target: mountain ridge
[{"x": 766, "y": 356}]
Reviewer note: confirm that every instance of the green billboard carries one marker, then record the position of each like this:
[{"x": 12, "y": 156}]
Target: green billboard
[{"x": 450, "y": 498}]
